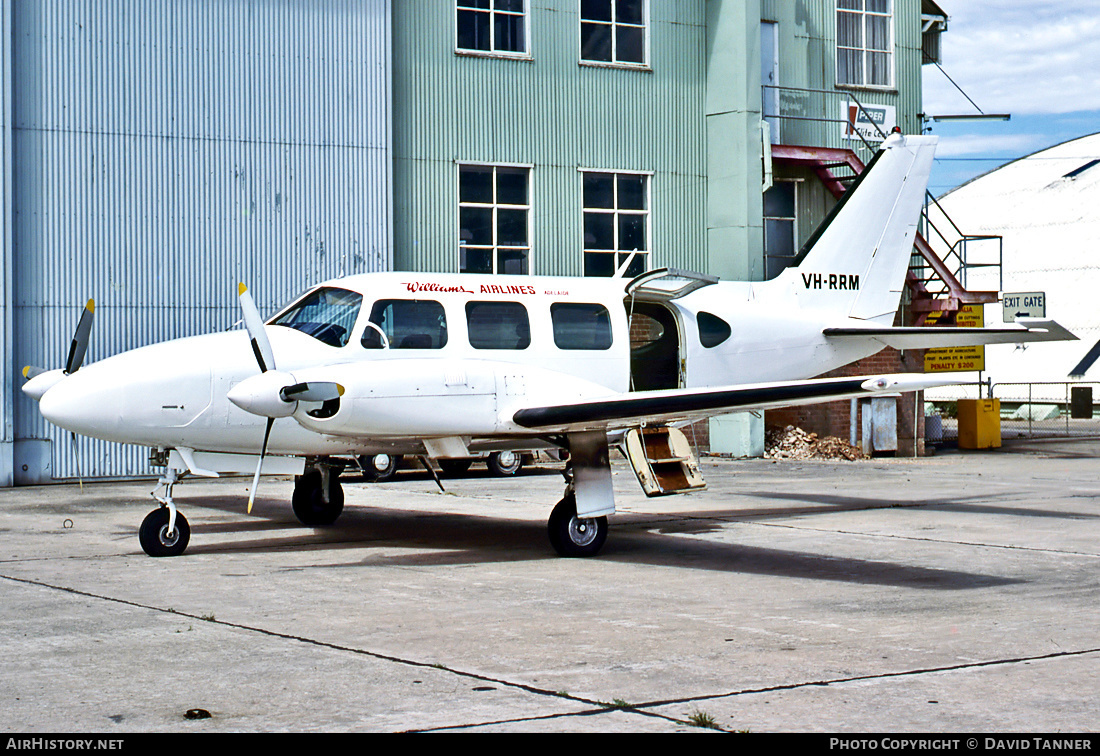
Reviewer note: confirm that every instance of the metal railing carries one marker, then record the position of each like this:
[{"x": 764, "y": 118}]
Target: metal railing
[
  {"x": 1046, "y": 410},
  {"x": 795, "y": 110},
  {"x": 957, "y": 249},
  {"x": 797, "y": 129},
  {"x": 1049, "y": 409}
]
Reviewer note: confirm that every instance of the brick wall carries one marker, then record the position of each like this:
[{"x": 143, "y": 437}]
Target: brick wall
[{"x": 834, "y": 418}]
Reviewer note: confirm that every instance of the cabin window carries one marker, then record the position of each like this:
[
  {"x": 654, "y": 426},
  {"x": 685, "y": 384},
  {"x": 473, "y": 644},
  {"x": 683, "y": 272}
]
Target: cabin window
[
  {"x": 327, "y": 314},
  {"x": 616, "y": 223},
  {"x": 865, "y": 43},
  {"x": 491, "y": 26},
  {"x": 494, "y": 209},
  {"x": 613, "y": 31},
  {"x": 581, "y": 326},
  {"x": 408, "y": 324},
  {"x": 712, "y": 329},
  {"x": 498, "y": 325}
]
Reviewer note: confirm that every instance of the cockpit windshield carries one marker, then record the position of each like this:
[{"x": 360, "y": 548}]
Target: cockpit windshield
[{"x": 327, "y": 315}]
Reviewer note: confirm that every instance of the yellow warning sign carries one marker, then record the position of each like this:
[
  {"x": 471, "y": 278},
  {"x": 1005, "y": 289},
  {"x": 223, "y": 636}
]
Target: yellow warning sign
[{"x": 951, "y": 359}]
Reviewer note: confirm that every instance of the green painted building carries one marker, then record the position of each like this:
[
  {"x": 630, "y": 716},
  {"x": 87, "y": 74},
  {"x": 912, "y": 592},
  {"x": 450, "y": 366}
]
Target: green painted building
[{"x": 572, "y": 137}]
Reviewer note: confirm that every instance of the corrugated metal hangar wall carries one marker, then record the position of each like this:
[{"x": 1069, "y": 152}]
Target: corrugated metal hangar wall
[{"x": 155, "y": 154}]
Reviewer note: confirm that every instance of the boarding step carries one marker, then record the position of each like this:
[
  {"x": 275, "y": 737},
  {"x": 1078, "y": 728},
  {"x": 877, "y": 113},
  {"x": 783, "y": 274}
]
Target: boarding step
[{"x": 663, "y": 460}]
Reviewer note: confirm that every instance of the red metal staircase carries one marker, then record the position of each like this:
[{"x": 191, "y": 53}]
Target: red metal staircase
[{"x": 933, "y": 281}]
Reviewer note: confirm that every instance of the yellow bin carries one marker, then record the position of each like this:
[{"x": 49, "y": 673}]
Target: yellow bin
[{"x": 979, "y": 423}]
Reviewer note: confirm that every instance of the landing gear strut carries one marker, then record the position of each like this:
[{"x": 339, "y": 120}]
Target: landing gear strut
[
  {"x": 164, "y": 532},
  {"x": 587, "y": 479},
  {"x": 318, "y": 498}
]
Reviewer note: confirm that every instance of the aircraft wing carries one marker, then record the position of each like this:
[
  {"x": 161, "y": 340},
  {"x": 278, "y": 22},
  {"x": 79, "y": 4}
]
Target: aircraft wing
[
  {"x": 629, "y": 410},
  {"x": 1025, "y": 330}
]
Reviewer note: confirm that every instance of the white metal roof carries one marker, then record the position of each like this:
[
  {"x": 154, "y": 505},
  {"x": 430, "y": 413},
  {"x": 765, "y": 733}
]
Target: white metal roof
[{"x": 1046, "y": 206}]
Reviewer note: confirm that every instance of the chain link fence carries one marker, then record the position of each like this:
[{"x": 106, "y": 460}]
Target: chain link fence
[{"x": 1028, "y": 410}]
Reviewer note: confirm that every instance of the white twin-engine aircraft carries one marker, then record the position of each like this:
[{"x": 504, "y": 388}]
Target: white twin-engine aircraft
[{"x": 448, "y": 366}]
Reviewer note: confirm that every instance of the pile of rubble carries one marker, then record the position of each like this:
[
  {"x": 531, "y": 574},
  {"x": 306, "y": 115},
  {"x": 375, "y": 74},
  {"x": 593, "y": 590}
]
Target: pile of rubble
[{"x": 795, "y": 443}]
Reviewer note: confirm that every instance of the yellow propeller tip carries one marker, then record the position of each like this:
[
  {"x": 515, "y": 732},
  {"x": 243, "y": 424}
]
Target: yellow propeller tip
[
  {"x": 339, "y": 389},
  {"x": 241, "y": 289},
  {"x": 90, "y": 306},
  {"x": 27, "y": 371}
]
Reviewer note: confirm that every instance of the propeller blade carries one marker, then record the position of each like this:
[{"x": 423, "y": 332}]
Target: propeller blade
[
  {"x": 30, "y": 371},
  {"x": 316, "y": 391},
  {"x": 79, "y": 344},
  {"x": 260, "y": 464},
  {"x": 261, "y": 347}
]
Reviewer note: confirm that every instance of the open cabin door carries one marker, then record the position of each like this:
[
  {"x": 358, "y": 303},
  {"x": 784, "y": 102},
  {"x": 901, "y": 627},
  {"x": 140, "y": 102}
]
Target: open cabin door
[
  {"x": 661, "y": 456},
  {"x": 656, "y": 334}
]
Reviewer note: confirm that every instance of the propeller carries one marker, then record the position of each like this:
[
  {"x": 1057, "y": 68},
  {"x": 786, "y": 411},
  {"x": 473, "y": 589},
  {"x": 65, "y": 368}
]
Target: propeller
[
  {"x": 271, "y": 394},
  {"x": 79, "y": 345},
  {"x": 39, "y": 380}
]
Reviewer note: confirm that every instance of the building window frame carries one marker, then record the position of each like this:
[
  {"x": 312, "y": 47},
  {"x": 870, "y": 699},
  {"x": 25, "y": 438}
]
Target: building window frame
[
  {"x": 502, "y": 215},
  {"x": 623, "y": 30},
  {"x": 494, "y": 12},
  {"x": 616, "y": 222},
  {"x": 865, "y": 41}
]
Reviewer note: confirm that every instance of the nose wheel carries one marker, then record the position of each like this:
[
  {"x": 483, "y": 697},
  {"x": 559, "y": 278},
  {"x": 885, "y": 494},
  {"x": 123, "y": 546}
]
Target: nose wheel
[
  {"x": 573, "y": 536},
  {"x": 161, "y": 538}
]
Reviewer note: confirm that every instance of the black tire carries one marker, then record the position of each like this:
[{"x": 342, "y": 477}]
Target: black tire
[
  {"x": 504, "y": 464},
  {"x": 379, "y": 468},
  {"x": 455, "y": 467},
  {"x": 573, "y": 536},
  {"x": 310, "y": 507},
  {"x": 154, "y": 538}
]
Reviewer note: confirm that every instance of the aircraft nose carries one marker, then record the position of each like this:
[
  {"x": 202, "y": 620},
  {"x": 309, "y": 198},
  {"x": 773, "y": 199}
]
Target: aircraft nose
[
  {"x": 137, "y": 397},
  {"x": 80, "y": 403}
]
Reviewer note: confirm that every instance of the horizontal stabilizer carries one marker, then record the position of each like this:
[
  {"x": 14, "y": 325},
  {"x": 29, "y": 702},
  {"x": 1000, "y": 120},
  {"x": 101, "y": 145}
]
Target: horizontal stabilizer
[
  {"x": 1025, "y": 330},
  {"x": 644, "y": 407}
]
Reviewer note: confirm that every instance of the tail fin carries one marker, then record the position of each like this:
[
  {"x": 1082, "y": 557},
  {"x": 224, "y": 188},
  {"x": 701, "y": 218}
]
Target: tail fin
[{"x": 855, "y": 263}]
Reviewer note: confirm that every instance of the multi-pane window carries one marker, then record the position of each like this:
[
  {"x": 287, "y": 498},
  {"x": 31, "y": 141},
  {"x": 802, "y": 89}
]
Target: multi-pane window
[
  {"x": 493, "y": 219},
  {"x": 779, "y": 228},
  {"x": 491, "y": 26},
  {"x": 865, "y": 43},
  {"x": 616, "y": 222},
  {"x": 613, "y": 31}
]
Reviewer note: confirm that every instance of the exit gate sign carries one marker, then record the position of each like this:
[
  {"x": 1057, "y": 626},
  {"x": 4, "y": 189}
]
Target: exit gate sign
[{"x": 1027, "y": 304}]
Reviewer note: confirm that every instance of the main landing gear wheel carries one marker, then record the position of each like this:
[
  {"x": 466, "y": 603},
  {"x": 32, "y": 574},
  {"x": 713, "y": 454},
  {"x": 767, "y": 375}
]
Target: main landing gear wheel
[
  {"x": 312, "y": 506},
  {"x": 155, "y": 539},
  {"x": 378, "y": 467},
  {"x": 573, "y": 536},
  {"x": 504, "y": 463},
  {"x": 455, "y": 467}
]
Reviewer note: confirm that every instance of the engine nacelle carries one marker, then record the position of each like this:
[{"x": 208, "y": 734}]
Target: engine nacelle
[{"x": 262, "y": 394}]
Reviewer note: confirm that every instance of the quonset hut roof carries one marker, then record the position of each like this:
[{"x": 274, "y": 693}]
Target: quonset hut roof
[{"x": 1046, "y": 206}]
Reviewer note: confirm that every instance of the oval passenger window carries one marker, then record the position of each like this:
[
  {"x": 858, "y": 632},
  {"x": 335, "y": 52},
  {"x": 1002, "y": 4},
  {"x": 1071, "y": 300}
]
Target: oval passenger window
[{"x": 712, "y": 329}]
